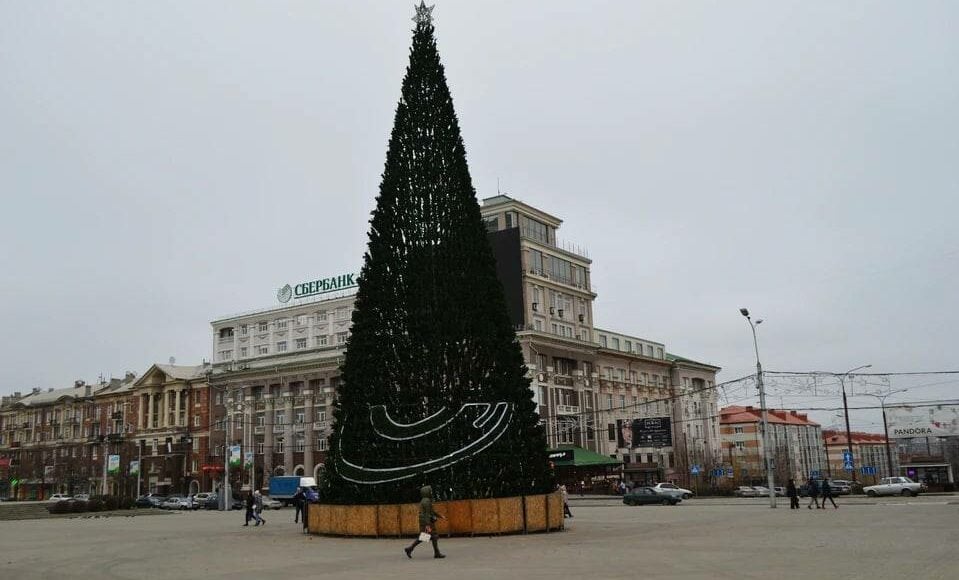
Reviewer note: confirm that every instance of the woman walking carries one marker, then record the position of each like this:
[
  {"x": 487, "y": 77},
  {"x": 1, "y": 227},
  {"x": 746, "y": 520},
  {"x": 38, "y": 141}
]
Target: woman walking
[
  {"x": 427, "y": 521},
  {"x": 258, "y": 508}
]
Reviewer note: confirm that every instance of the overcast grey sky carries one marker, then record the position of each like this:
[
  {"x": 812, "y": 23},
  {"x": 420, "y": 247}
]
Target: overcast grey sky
[{"x": 165, "y": 163}]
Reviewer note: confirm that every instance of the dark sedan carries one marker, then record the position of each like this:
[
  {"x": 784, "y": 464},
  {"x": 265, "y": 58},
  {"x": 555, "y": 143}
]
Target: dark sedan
[{"x": 647, "y": 495}]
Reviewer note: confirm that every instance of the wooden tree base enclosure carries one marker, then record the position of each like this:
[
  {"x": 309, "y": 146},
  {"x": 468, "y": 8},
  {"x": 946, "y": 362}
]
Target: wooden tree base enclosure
[{"x": 505, "y": 515}]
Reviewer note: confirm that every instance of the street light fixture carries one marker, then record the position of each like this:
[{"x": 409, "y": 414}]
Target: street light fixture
[
  {"x": 885, "y": 426},
  {"x": 762, "y": 406},
  {"x": 845, "y": 408}
]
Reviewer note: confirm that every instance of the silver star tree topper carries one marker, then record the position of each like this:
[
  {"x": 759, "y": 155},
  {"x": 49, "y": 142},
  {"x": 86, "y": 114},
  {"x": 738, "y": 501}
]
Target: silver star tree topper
[{"x": 424, "y": 13}]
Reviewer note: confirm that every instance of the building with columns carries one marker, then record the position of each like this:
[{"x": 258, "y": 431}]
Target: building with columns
[
  {"x": 277, "y": 370},
  {"x": 278, "y": 367},
  {"x": 175, "y": 417}
]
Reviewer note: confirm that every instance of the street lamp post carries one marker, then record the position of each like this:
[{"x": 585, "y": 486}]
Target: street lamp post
[
  {"x": 762, "y": 406},
  {"x": 845, "y": 408},
  {"x": 885, "y": 426}
]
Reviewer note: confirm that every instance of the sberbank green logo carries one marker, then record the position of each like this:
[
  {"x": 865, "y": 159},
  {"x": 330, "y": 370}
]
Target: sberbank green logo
[{"x": 316, "y": 287}]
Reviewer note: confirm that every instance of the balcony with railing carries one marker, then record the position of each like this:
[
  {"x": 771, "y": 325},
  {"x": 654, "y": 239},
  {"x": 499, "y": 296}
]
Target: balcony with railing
[{"x": 567, "y": 410}]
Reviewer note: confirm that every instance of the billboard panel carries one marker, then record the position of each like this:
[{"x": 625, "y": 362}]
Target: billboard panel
[
  {"x": 925, "y": 421},
  {"x": 648, "y": 432}
]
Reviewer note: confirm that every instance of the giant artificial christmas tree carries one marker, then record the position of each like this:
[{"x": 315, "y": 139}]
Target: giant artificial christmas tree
[{"x": 433, "y": 386}]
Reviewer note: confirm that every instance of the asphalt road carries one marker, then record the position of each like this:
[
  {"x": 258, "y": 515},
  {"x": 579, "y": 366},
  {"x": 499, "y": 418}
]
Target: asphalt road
[{"x": 716, "y": 539}]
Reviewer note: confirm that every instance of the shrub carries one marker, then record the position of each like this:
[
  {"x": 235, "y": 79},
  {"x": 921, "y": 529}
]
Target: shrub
[
  {"x": 949, "y": 487},
  {"x": 110, "y": 502},
  {"x": 94, "y": 505},
  {"x": 126, "y": 503}
]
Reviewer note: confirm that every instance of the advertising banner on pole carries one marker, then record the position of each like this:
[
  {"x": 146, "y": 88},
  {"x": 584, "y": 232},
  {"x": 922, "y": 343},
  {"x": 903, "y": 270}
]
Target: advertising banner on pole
[
  {"x": 234, "y": 456},
  {"x": 248, "y": 460},
  {"x": 113, "y": 465},
  {"x": 134, "y": 467},
  {"x": 926, "y": 421}
]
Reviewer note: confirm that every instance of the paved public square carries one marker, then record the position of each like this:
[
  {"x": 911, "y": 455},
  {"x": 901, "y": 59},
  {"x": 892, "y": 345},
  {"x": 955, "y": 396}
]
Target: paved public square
[{"x": 702, "y": 538}]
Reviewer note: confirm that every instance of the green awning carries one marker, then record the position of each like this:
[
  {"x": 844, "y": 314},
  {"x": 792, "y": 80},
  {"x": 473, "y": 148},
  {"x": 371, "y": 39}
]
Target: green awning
[{"x": 580, "y": 458}]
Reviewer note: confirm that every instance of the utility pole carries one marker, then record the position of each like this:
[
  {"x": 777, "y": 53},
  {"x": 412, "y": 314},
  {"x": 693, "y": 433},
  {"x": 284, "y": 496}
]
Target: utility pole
[
  {"x": 226, "y": 493},
  {"x": 885, "y": 426},
  {"x": 770, "y": 483},
  {"x": 845, "y": 408}
]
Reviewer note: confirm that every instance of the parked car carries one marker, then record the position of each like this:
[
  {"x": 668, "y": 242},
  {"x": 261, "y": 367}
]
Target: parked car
[
  {"x": 271, "y": 504},
  {"x": 761, "y": 490},
  {"x": 649, "y": 495},
  {"x": 895, "y": 486},
  {"x": 745, "y": 491},
  {"x": 144, "y": 501},
  {"x": 82, "y": 497},
  {"x": 177, "y": 502},
  {"x": 840, "y": 486},
  {"x": 780, "y": 491},
  {"x": 212, "y": 502},
  {"x": 672, "y": 489},
  {"x": 59, "y": 497},
  {"x": 199, "y": 500}
]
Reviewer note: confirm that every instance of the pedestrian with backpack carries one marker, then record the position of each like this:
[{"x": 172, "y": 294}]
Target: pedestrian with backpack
[{"x": 813, "y": 489}]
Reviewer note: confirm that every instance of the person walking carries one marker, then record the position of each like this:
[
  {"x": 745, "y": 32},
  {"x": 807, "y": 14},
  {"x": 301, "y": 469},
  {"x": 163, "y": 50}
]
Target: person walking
[
  {"x": 793, "y": 495},
  {"x": 427, "y": 524},
  {"x": 248, "y": 502},
  {"x": 827, "y": 494},
  {"x": 298, "y": 499},
  {"x": 566, "y": 512},
  {"x": 258, "y": 508},
  {"x": 813, "y": 488}
]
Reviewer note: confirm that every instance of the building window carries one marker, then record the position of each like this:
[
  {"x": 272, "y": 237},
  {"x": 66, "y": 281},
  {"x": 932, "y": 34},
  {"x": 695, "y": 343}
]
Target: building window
[
  {"x": 299, "y": 444},
  {"x": 320, "y": 443},
  {"x": 196, "y": 420},
  {"x": 259, "y": 448},
  {"x": 649, "y": 350},
  {"x": 632, "y": 377},
  {"x": 609, "y": 401},
  {"x": 281, "y": 346},
  {"x": 301, "y": 343},
  {"x": 659, "y": 352},
  {"x": 278, "y": 446},
  {"x": 281, "y": 323},
  {"x": 299, "y": 319},
  {"x": 615, "y": 343},
  {"x": 628, "y": 346},
  {"x": 262, "y": 326},
  {"x": 538, "y": 324},
  {"x": 341, "y": 337},
  {"x": 263, "y": 349},
  {"x": 342, "y": 313},
  {"x": 226, "y": 333},
  {"x": 279, "y": 418},
  {"x": 602, "y": 340},
  {"x": 740, "y": 445},
  {"x": 226, "y": 354},
  {"x": 611, "y": 431},
  {"x": 622, "y": 401},
  {"x": 320, "y": 340},
  {"x": 300, "y": 416},
  {"x": 244, "y": 329},
  {"x": 243, "y": 352},
  {"x": 584, "y": 336}
]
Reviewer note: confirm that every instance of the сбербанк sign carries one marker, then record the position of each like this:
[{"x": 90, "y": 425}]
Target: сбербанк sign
[{"x": 316, "y": 287}]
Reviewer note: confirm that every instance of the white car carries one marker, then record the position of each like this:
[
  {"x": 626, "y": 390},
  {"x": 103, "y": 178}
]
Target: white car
[
  {"x": 59, "y": 497},
  {"x": 894, "y": 486},
  {"x": 673, "y": 490}
]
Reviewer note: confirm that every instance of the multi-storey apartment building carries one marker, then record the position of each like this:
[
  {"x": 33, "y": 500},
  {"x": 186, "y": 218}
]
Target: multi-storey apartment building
[
  {"x": 868, "y": 450},
  {"x": 118, "y": 437},
  {"x": 796, "y": 443}
]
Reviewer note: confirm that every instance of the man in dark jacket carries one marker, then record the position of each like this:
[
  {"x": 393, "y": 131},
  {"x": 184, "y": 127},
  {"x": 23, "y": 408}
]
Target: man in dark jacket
[
  {"x": 827, "y": 494},
  {"x": 248, "y": 502},
  {"x": 793, "y": 495},
  {"x": 298, "y": 498},
  {"x": 813, "y": 488},
  {"x": 427, "y": 523}
]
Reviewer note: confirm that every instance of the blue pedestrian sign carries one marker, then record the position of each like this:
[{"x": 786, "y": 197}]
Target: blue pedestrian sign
[
  {"x": 816, "y": 474},
  {"x": 729, "y": 472},
  {"x": 719, "y": 472},
  {"x": 867, "y": 470},
  {"x": 694, "y": 470},
  {"x": 847, "y": 461}
]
